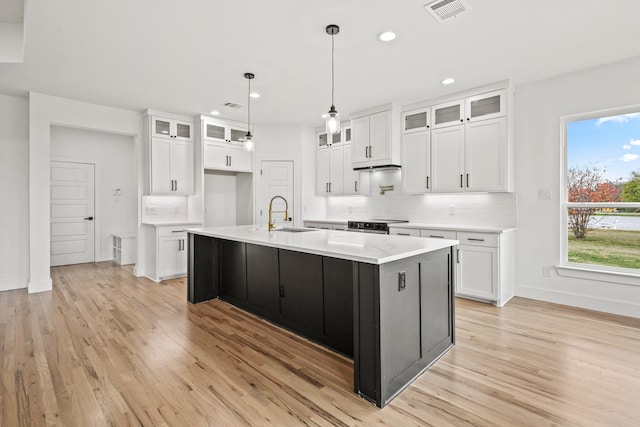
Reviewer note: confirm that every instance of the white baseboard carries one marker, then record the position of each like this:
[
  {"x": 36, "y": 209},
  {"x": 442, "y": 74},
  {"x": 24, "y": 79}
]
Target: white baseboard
[
  {"x": 11, "y": 284},
  {"x": 40, "y": 286},
  {"x": 622, "y": 308}
]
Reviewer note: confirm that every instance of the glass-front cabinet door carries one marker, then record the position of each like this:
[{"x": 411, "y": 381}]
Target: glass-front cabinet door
[
  {"x": 214, "y": 132},
  {"x": 237, "y": 135},
  {"x": 448, "y": 114},
  {"x": 169, "y": 128},
  {"x": 486, "y": 106},
  {"x": 415, "y": 120},
  {"x": 322, "y": 140}
]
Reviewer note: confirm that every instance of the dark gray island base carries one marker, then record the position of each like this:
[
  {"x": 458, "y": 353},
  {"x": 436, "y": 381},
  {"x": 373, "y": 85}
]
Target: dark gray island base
[{"x": 395, "y": 319}]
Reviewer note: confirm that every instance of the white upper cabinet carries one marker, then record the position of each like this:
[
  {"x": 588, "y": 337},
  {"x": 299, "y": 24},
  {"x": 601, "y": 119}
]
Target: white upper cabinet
[
  {"x": 447, "y": 155},
  {"x": 470, "y": 145},
  {"x": 447, "y": 114},
  {"x": 486, "y": 106},
  {"x": 171, "y": 155},
  {"x": 485, "y": 155},
  {"x": 323, "y": 172},
  {"x": 170, "y": 128},
  {"x": 416, "y": 121},
  {"x": 222, "y": 132},
  {"x": 223, "y": 146},
  {"x": 355, "y": 182},
  {"x": 416, "y": 162},
  {"x": 343, "y": 137},
  {"x": 376, "y": 138}
]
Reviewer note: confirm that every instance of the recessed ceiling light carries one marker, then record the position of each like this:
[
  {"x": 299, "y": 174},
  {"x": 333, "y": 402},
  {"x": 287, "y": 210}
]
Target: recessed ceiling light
[
  {"x": 215, "y": 113},
  {"x": 448, "y": 81},
  {"x": 254, "y": 95},
  {"x": 387, "y": 36}
]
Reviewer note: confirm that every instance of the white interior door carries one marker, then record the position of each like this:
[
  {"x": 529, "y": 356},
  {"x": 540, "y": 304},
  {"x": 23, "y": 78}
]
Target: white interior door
[
  {"x": 276, "y": 180},
  {"x": 72, "y": 212}
]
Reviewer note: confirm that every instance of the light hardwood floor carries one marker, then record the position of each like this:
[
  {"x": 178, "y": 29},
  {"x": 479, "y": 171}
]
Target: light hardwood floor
[{"x": 106, "y": 348}]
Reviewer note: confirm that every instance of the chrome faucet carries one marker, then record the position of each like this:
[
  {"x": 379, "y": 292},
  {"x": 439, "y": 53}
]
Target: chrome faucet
[{"x": 272, "y": 225}]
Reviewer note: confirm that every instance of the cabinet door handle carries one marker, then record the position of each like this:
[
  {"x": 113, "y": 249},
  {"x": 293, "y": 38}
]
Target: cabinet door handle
[
  {"x": 467, "y": 180},
  {"x": 370, "y": 151},
  {"x": 473, "y": 239},
  {"x": 461, "y": 186},
  {"x": 355, "y": 186},
  {"x": 457, "y": 256},
  {"x": 329, "y": 187},
  {"x": 427, "y": 183},
  {"x": 229, "y": 160},
  {"x": 281, "y": 291},
  {"x": 176, "y": 181},
  {"x": 366, "y": 152},
  {"x": 178, "y": 245}
]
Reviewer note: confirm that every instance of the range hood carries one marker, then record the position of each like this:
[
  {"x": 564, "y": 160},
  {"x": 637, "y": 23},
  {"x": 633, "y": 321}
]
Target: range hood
[{"x": 378, "y": 168}]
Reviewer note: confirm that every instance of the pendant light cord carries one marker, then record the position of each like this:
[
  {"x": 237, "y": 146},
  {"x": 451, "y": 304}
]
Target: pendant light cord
[
  {"x": 249, "y": 108},
  {"x": 332, "y": 73}
]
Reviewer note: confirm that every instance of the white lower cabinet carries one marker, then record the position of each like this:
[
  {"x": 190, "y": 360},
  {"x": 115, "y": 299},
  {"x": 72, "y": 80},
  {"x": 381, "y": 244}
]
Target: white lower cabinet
[
  {"x": 484, "y": 261},
  {"x": 166, "y": 251}
]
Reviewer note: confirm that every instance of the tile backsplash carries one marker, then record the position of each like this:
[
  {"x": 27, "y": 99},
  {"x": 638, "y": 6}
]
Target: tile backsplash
[
  {"x": 164, "y": 208},
  {"x": 490, "y": 209}
]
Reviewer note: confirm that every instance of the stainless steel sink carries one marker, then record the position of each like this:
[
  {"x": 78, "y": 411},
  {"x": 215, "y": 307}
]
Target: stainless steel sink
[{"x": 294, "y": 230}]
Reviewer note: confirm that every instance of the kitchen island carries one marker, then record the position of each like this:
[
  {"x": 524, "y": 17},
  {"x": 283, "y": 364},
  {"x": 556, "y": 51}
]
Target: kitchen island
[{"x": 386, "y": 301}]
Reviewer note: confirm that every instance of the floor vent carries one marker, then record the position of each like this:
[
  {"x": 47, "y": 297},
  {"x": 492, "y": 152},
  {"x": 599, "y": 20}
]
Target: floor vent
[
  {"x": 443, "y": 10},
  {"x": 232, "y": 105}
]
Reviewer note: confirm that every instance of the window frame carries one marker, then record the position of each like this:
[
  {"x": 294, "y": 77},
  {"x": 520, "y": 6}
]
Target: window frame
[{"x": 580, "y": 270}]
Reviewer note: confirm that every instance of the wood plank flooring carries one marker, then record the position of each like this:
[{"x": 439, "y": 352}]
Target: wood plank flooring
[{"x": 108, "y": 349}]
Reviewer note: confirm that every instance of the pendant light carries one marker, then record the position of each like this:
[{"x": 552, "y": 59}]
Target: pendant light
[
  {"x": 249, "y": 145},
  {"x": 333, "y": 118}
]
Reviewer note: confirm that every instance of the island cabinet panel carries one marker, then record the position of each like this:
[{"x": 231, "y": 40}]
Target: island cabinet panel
[
  {"x": 338, "y": 303},
  {"x": 301, "y": 292},
  {"x": 404, "y": 322},
  {"x": 203, "y": 283},
  {"x": 436, "y": 278},
  {"x": 233, "y": 270},
  {"x": 263, "y": 281}
]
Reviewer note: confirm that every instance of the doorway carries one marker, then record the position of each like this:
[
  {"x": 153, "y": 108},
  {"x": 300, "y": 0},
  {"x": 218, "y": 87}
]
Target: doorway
[
  {"x": 276, "y": 179},
  {"x": 72, "y": 213}
]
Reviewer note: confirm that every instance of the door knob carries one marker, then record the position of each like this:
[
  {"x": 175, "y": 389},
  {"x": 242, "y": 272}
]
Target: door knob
[{"x": 89, "y": 218}]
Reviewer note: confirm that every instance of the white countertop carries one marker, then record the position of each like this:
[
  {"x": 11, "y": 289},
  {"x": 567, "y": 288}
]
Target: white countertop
[
  {"x": 456, "y": 227},
  {"x": 362, "y": 247},
  {"x": 163, "y": 223}
]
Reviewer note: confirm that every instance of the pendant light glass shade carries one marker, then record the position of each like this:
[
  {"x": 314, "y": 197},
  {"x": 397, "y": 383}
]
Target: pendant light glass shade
[
  {"x": 333, "y": 121},
  {"x": 333, "y": 118},
  {"x": 249, "y": 145}
]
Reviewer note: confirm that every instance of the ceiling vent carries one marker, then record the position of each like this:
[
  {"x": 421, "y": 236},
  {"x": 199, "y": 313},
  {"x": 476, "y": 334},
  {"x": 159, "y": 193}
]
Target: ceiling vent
[
  {"x": 232, "y": 105},
  {"x": 443, "y": 10}
]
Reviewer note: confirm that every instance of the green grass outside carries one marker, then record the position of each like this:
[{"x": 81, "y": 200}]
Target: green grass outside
[{"x": 613, "y": 248}]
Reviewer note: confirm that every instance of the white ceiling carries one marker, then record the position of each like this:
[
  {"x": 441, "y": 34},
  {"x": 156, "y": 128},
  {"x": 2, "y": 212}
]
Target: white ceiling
[{"x": 189, "y": 56}]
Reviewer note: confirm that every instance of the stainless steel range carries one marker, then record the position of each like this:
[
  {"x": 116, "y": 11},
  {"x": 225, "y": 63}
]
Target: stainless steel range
[{"x": 378, "y": 226}]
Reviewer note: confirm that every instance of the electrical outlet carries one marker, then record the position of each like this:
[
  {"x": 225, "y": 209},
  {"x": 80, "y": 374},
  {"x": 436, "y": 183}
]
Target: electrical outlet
[
  {"x": 402, "y": 281},
  {"x": 117, "y": 191},
  {"x": 547, "y": 271}
]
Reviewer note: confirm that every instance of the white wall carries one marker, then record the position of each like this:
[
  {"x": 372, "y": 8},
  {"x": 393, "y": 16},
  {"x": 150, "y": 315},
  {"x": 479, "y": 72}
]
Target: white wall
[
  {"x": 539, "y": 106},
  {"x": 288, "y": 142},
  {"x": 14, "y": 187},
  {"x": 115, "y": 167},
  {"x": 44, "y": 111},
  {"x": 219, "y": 198}
]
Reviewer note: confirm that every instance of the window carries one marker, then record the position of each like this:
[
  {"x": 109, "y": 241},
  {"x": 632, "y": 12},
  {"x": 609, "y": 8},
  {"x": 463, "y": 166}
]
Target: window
[{"x": 601, "y": 191}]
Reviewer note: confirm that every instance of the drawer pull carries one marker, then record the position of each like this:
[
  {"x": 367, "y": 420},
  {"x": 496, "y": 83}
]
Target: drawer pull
[
  {"x": 404, "y": 234},
  {"x": 177, "y": 231},
  {"x": 436, "y": 237},
  {"x": 475, "y": 239}
]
